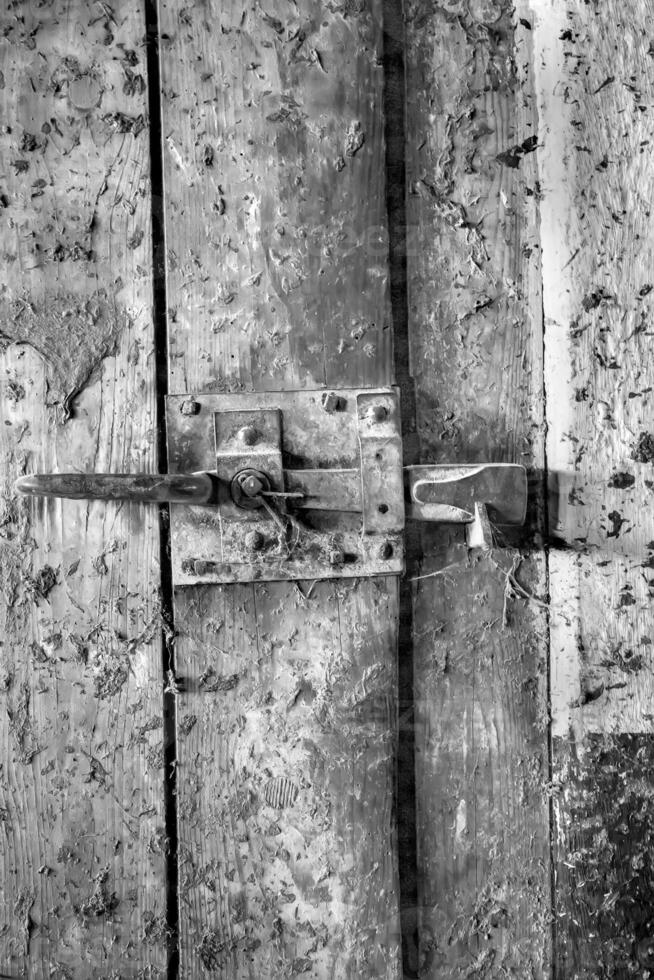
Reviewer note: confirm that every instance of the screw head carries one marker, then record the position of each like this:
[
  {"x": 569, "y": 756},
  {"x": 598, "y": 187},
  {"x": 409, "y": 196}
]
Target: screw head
[
  {"x": 190, "y": 407},
  {"x": 254, "y": 540},
  {"x": 248, "y": 435},
  {"x": 386, "y": 551}
]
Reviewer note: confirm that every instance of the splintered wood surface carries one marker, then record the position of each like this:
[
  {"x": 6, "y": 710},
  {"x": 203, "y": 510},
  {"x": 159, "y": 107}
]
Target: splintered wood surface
[
  {"x": 81, "y": 784},
  {"x": 277, "y": 267},
  {"x": 594, "y": 80},
  {"x": 480, "y": 668}
]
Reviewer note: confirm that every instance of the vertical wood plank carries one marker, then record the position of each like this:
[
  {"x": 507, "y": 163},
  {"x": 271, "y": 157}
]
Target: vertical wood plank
[
  {"x": 81, "y": 822},
  {"x": 480, "y": 646},
  {"x": 277, "y": 272},
  {"x": 594, "y": 92},
  {"x": 277, "y": 260}
]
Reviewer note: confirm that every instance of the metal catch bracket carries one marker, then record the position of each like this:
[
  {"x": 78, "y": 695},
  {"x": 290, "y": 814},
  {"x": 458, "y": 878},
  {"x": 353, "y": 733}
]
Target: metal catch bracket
[{"x": 326, "y": 474}]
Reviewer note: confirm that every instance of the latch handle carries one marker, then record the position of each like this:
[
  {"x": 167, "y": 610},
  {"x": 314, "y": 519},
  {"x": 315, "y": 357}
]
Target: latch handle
[{"x": 177, "y": 488}]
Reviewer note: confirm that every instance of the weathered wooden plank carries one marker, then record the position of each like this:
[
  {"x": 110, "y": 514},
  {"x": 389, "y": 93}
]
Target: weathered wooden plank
[
  {"x": 594, "y": 94},
  {"x": 480, "y": 679},
  {"x": 277, "y": 273},
  {"x": 285, "y": 741},
  {"x": 81, "y": 841},
  {"x": 275, "y": 181}
]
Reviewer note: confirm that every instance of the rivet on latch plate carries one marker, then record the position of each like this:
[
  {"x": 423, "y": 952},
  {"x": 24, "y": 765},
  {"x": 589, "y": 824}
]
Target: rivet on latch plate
[
  {"x": 254, "y": 540},
  {"x": 248, "y": 435}
]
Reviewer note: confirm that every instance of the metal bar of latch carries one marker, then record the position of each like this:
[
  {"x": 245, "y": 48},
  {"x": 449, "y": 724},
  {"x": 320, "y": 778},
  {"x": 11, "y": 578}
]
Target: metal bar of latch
[{"x": 442, "y": 494}]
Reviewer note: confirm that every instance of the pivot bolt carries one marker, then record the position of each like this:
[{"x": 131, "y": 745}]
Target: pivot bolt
[
  {"x": 251, "y": 485},
  {"x": 254, "y": 540},
  {"x": 248, "y": 435},
  {"x": 386, "y": 551},
  {"x": 247, "y": 486},
  {"x": 190, "y": 407}
]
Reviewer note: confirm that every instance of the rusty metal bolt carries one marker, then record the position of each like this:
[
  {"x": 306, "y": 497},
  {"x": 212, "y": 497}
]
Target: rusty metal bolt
[
  {"x": 331, "y": 402},
  {"x": 378, "y": 413},
  {"x": 386, "y": 551},
  {"x": 336, "y": 556},
  {"x": 248, "y": 435},
  {"x": 190, "y": 407},
  {"x": 254, "y": 540}
]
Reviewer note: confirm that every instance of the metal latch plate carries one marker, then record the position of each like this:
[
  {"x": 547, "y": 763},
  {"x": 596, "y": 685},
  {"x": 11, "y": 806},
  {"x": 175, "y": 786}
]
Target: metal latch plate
[{"x": 355, "y": 431}]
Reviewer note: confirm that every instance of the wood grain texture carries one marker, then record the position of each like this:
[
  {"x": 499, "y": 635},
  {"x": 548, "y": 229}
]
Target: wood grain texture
[
  {"x": 81, "y": 841},
  {"x": 480, "y": 647},
  {"x": 277, "y": 273},
  {"x": 595, "y": 108},
  {"x": 286, "y": 735}
]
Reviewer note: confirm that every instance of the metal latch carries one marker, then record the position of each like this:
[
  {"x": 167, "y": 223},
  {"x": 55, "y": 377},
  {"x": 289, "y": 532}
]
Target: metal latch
[{"x": 298, "y": 485}]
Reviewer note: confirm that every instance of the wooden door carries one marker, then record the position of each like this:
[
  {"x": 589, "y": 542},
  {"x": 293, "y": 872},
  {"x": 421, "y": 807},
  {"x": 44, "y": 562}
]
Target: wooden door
[{"x": 440, "y": 776}]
